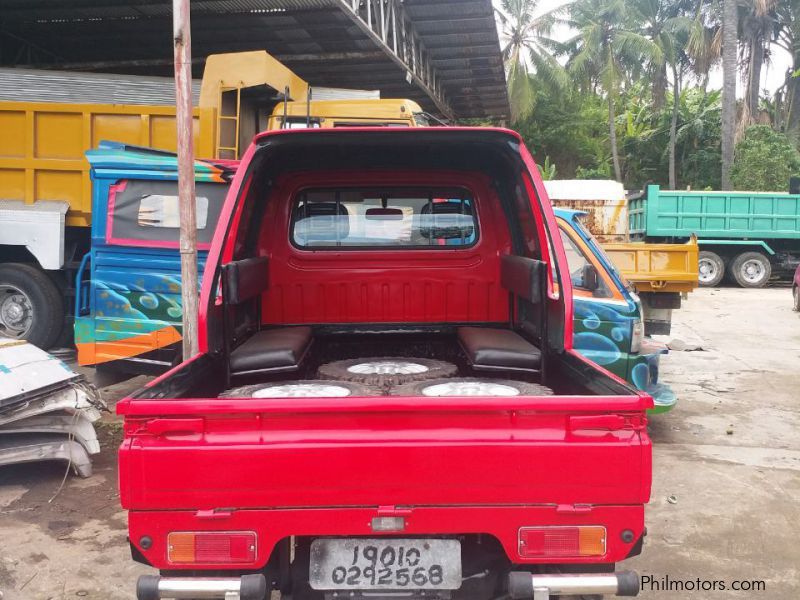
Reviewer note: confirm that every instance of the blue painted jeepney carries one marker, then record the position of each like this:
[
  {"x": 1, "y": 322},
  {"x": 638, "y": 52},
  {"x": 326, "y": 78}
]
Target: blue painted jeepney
[
  {"x": 608, "y": 319},
  {"x": 128, "y": 304}
]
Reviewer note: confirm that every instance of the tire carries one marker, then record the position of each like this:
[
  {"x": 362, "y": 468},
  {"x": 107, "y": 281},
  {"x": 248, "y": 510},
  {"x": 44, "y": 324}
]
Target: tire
[
  {"x": 751, "y": 269},
  {"x": 303, "y": 388},
  {"x": 711, "y": 269},
  {"x": 385, "y": 372},
  {"x": 31, "y": 306},
  {"x": 471, "y": 386},
  {"x": 796, "y": 298}
]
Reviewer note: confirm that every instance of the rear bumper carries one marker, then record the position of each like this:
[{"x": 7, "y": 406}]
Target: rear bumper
[
  {"x": 521, "y": 586},
  {"x": 148, "y": 530},
  {"x": 247, "y": 587},
  {"x": 525, "y": 586}
]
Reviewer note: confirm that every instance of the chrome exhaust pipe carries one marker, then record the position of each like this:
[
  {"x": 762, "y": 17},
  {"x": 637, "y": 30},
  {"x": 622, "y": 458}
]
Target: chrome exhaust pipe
[
  {"x": 246, "y": 587},
  {"x": 527, "y": 586}
]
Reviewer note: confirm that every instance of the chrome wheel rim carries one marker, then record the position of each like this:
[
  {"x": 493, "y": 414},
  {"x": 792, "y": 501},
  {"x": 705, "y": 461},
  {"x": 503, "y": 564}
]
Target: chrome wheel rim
[
  {"x": 752, "y": 271},
  {"x": 16, "y": 312},
  {"x": 469, "y": 388},
  {"x": 707, "y": 270},
  {"x": 302, "y": 390},
  {"x": 388, "y": 367}
]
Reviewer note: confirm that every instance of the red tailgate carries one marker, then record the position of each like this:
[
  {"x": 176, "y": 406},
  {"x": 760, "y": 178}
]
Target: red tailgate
[{"x": 316, "y": 452}]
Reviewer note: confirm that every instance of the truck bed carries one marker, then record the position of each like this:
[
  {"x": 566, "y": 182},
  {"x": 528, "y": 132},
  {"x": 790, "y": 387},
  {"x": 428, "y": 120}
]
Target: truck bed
[
  {"x": 656, "y": 267},
  {"x": 679, "y": 214}
]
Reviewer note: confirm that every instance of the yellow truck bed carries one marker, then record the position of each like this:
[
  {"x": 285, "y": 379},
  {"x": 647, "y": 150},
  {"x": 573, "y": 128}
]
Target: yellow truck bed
[
  {"x": 656, "y": 267},
  {"x": 42, "y": 146}
]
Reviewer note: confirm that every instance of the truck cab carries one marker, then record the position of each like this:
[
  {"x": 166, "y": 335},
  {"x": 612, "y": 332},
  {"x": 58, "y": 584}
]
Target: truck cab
[
  {"x": 128, "y": 286},
  {"x": 386, "y": 401},
  {"x": 608, "y": 317}
]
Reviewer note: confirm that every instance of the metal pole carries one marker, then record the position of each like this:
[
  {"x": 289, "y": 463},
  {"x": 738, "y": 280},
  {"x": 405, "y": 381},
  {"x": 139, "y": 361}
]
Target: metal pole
[{"x": 188, "y": 218}]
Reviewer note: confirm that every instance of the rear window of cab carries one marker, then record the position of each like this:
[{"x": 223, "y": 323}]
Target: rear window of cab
[{"x": 384, "y": 218}]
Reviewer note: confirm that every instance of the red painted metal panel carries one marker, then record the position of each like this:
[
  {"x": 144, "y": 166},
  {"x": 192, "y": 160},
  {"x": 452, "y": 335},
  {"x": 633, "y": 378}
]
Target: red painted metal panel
[
  {"x": 502, "y": 522},
  {"x": 380, "y": 286},
  {"x": 354, "y": 458}
]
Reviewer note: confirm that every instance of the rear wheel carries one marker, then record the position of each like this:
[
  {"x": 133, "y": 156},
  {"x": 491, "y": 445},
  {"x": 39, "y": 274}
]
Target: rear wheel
[
  {"x": 308, "y": 388},
  {"x": 751, "y": 269},
  {"x": 385, "y": 372},
  {"x": 711, "y": 268},
  {"x": 471, "y": 386},
  {"x": 30, "y": 305}
]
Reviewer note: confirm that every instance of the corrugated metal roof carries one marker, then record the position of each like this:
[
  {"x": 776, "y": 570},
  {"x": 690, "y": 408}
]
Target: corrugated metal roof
[
  {"x": 321, "y": 40},
  {"x": 35, "y": 85}
]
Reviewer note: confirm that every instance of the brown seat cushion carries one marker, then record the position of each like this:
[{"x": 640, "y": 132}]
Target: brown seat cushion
[
  {"x": 272, "y": 350},
  {"x": 498, "y": 349}
]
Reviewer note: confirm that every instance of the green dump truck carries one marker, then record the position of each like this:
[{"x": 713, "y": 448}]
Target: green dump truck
[{"x": 748, "y": 236}]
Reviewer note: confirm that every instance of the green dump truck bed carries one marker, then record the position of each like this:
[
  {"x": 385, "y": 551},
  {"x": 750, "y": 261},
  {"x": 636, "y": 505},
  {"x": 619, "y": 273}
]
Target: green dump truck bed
[{"x": 721, "y": 215}]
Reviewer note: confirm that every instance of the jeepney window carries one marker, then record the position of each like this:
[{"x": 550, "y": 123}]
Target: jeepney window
[
  {"x": 577, "y": 262},
  {"x": 144, "y": 212},
  {"x": 384, "y": 217},
  {"x": 156, "y": 210}
]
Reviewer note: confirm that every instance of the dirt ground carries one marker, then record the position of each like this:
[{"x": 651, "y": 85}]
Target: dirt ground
[{"x": 726, "y": 479}]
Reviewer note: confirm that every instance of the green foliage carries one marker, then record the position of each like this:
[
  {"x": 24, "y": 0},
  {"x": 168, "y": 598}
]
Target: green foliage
[
  {"x": 764, "y": 161},
  {"x": 624, "y": 59},
  {"x": 527, "y": 48},
  {"x": 570, "y": 128},
  {"x": 547, "y": 170},
  {"x": 572, "y": 131},
  {"x": 600, "y": 172}
]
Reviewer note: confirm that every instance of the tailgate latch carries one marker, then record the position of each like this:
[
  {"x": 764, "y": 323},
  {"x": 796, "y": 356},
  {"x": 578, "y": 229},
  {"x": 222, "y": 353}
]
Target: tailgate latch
[
  {"x": 597, "y": 422},
  {"x": 214, "y": 514},
  {"x": 573, "y": 508},
  {"x": 174, "y": 426}
]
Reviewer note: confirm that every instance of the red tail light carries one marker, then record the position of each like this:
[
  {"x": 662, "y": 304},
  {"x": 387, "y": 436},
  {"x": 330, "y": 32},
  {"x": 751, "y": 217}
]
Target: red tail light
[
  {"x": 217, "y": 547},
  {"x": 562, "y": 541}
]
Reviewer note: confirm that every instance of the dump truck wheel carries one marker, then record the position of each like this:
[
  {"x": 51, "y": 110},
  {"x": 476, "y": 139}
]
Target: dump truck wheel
[
  {"x": 471, "y": 386},
  {"x": 751, "y": 270},
  {"x": 304, "y": 388},
  {"x": 711, "y": 268},
  {"x": 31, "y": 307},
  {"x": 385, "y": 372}
]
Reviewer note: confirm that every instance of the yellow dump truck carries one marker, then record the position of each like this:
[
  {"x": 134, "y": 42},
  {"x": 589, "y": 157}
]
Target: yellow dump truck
[
  {"x": 661, "y": 273},
  {"x": 49, "y": 119}
]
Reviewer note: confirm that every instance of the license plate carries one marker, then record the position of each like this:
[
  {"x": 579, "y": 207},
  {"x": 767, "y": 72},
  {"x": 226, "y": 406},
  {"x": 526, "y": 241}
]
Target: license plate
[{"x": 385, "y": 564}]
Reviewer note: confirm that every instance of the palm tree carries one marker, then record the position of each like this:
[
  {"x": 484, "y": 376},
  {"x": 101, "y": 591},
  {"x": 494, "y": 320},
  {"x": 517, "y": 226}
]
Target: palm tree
[
  {"x": 607, "y": 43},
  {"x": 729, "y": 47},
  {"x": 788, "y": 38},
  {"x": 704, "y": 45},
  {"x": 527, "y": 42},
  {"x": 665, "y": 23},
  {"x": 758, "y": 26}
]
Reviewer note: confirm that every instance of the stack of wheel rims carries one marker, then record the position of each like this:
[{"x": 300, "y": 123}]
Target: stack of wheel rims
[{"x": 390, "y": 375}]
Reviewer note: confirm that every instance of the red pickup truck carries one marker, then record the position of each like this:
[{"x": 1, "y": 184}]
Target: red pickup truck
[{"x": 386, "y": 403}]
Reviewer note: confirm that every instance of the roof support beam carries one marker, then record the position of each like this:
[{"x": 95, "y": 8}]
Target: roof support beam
[{"x": 386, "y": 23}]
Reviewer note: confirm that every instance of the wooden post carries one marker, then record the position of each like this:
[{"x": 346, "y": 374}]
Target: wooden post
[{"x": 182, "y": 40}]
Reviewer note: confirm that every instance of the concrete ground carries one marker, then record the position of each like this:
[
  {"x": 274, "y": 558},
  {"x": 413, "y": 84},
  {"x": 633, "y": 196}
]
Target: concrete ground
[{"x": 726, "y": 479}]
